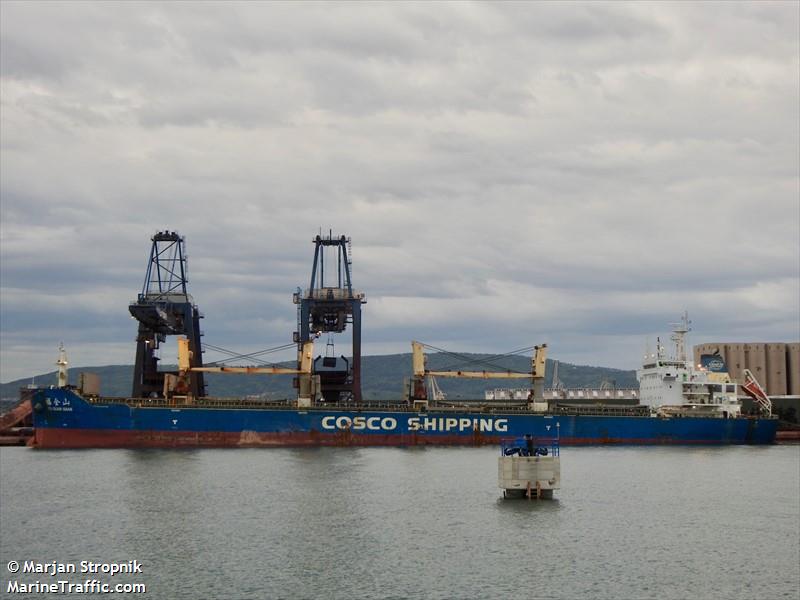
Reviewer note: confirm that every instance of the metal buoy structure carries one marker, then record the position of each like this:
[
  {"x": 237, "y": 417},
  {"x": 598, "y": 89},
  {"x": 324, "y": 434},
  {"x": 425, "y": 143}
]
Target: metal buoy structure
[{"x": 529, "y": 467}]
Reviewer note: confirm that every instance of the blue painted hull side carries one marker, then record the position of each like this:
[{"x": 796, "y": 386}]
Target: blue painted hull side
[{"x": 60, "y": 412}]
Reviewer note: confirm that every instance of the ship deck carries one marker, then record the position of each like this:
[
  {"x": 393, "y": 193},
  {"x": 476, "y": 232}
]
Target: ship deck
[{"x": 473, "y": 406}]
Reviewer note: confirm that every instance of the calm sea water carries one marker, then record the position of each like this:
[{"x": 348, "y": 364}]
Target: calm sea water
[{"x": 628, "y": 523}]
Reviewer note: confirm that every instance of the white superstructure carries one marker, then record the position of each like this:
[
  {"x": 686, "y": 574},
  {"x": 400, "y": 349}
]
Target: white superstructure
[{"x": 674, "y": 386}]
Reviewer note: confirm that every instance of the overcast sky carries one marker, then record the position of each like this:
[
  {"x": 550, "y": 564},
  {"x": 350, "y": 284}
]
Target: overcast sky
[{"x": 510, "y": 174}]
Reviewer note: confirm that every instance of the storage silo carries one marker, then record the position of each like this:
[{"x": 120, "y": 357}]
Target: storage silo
[
  {"x": 755, "y": 359},
  {"x": 735, "y": 359},
  {"x": 776, "y": 369},
  {"x": 793, "y": 368}
]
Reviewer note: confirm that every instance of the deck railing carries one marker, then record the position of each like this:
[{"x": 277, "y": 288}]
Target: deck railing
[
  {"x": 530, "y": 446},
  {"x": 284, "y": 404}
]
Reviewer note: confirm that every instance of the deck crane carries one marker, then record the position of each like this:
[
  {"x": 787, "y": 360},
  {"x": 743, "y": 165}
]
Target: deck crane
[
  {"x": 308, "y": 385},
  {"x": 418, "y": 394}
]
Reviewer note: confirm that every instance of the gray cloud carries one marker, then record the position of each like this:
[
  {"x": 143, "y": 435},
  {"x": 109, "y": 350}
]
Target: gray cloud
[{"x": 509, "y": 173}]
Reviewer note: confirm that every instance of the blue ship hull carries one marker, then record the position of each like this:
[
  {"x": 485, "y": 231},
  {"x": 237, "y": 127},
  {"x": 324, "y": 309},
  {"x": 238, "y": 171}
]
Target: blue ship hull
[{"x": 63, "y": 419}]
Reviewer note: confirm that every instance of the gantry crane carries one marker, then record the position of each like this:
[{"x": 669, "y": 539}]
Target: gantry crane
[
  {"x": 164, "y": 308},
  {"x": 329, "y": 309}
]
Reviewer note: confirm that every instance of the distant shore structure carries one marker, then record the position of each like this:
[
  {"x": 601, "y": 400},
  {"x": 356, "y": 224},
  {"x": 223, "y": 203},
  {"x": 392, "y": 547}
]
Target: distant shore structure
[{"x": 776, "y": 365}]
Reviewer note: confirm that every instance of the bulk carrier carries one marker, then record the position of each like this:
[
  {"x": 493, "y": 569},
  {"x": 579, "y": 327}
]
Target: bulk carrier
[{"x": 680, "y": 403}]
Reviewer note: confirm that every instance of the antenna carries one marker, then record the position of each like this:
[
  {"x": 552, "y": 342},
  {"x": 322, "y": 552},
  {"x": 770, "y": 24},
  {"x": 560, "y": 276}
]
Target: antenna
[{"x": 679, "y": 331}]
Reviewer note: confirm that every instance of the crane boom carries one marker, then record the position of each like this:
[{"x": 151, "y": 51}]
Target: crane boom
[
  {"x": 249, "y": 370},
  {"x": 479, "y": 374},
  {"x": 185, "y": 355},
  {"x": 418, "y": 395},
  {"x": 537, "y": 367}
]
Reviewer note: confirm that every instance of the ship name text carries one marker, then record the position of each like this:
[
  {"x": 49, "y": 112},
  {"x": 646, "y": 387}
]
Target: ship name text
[{"x": 414, "y": 424}]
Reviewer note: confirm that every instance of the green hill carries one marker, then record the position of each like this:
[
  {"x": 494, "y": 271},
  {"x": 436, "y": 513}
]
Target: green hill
[{"x": 382, "y": 378}]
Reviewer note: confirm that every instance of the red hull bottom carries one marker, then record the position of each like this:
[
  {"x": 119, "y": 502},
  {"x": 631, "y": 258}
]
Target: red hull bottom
[
  {"x": 791, "y": 436},
  {"x": 97, "y": 438}
]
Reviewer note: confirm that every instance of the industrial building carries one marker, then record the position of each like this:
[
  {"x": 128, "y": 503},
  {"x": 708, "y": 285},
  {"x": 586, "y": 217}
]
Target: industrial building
[{"x": 776, "y": 365}]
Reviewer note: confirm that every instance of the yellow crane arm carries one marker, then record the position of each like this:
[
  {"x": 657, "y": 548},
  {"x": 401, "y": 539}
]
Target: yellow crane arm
[
  {"x": 249, "y": 370},
  {"x": 306, "y": 361},
  {"x": 537, "y": 367},
  {"x": 479, "y": 374}
]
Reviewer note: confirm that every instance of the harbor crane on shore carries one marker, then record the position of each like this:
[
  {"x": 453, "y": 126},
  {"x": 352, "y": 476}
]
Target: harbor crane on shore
[
  {"x": 164, "y": 307},
  {"x": 330, "y": 309}
]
